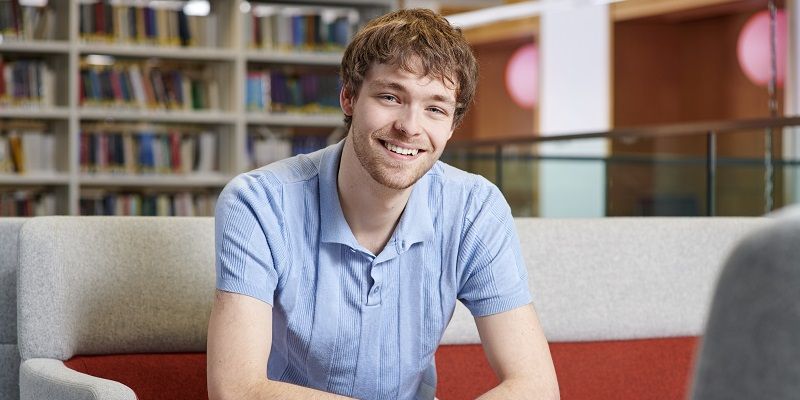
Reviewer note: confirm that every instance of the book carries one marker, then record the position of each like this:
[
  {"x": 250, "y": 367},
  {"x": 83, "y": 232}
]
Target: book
[
  {"x": 27, "y": 203},
  {"x": 287, "y": 90},
  {"x": 267, "y": 144},
  {"x": 145, "y": 149},
  {"x": 31, "y": 147},
  {"x": 26, "y": 82},
  {"x": 187, "y": 153},
  {"x": 20, "y": 21},
  {"x": 286, "y": 27},
  {"x": 6, "y": 165},
  {"x": 146, "y": 156},
  {"x": 17, "y": 156},
  {"x": 143, "y": 85},
  {"x": 206, "y": 152}
]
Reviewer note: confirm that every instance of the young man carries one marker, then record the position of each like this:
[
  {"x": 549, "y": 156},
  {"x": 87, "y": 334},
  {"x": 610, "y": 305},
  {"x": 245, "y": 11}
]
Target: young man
[{"x": 338, "y": 271}]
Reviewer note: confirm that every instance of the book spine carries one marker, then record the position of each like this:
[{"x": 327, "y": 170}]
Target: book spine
[{"x": 183, "y": 29}]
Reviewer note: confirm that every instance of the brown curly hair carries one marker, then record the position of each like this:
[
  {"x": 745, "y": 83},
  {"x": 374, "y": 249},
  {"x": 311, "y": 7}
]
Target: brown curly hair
[{"x": 410, "y": 39}]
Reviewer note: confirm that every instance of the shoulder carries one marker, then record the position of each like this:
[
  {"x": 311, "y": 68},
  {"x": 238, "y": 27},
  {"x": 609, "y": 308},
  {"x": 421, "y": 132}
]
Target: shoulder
[
  {"x": 470, "y": 191},
  {"x": 264, "y": 185}
]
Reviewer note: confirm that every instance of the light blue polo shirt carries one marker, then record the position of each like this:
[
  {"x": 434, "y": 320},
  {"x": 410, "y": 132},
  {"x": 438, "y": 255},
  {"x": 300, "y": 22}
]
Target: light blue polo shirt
[{"x": 348, "y": 321}]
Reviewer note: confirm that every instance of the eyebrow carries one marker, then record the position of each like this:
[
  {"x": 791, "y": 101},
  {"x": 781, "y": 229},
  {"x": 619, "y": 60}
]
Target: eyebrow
[{"x": 382, "y": 83}]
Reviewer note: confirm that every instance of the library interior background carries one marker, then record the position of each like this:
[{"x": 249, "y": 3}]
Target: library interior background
[{"x": 585, "y": 108}]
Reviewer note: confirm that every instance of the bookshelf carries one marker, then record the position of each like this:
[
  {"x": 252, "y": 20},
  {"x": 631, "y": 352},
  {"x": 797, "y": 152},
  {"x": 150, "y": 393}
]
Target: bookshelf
[{"x": 93, "y": 62}]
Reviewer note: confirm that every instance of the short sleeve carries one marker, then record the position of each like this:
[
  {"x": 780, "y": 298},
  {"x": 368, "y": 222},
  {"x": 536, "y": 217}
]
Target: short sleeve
[
  {"x": 247, "y": 236},
  {"x": 494, "y": 278}
]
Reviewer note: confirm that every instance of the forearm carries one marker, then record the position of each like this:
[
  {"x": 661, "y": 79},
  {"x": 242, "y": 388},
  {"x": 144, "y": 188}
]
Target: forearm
[{"x": 521, "y": 389}]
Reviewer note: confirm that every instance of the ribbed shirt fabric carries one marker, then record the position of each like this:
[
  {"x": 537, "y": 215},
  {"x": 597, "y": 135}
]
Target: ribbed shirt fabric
[{"x": 348, "y": 321}]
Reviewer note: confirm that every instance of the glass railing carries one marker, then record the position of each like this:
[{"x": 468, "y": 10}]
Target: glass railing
[{"x": 718, "y": 168}]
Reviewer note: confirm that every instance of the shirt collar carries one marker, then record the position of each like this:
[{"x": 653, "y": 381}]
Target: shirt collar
[
  {"x": 415, "y": 225},
  {"x": 333, "y": 226}
]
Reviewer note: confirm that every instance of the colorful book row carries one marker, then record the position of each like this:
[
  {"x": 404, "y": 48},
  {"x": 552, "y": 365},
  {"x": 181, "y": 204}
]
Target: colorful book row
[
  {"x": 25, "y": 151},
  {"x": 267, "y": 147},
  {"x": 27, "y": 203},
  {"x": 146, "y": 86},
  {"x": 283, "y": 91},
  {"x": 26, "y": 82},
  {"x": 18, "y": 22},
  {"x": 182, "y": 204},
  {"x": 106, "y": 22},
  {"x": 293, "y": 28},
  {"x": 147, "y": 152}
]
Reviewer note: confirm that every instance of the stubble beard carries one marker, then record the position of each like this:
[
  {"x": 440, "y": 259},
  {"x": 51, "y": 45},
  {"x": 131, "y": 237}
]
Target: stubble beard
[{"x": 397, "y": 177}]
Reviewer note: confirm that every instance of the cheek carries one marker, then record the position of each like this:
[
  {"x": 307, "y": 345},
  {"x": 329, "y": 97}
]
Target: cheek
[
  {"x": 441, "y": 135},
  {"x": 375, "y": 117}
]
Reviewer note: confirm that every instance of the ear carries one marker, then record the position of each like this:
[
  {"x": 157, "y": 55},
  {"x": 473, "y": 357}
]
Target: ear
[{"x": 346, "y": 100}]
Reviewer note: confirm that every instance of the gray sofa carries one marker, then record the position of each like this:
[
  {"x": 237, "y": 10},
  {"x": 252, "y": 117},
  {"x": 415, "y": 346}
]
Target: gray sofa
[
  {"x": 97, "y": 285},
  {"x": 9, "y": 355}
]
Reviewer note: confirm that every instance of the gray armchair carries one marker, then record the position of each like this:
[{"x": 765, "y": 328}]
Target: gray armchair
[
  {"x": 115, "y": 292},
  {"x": 751, "y": 348}
]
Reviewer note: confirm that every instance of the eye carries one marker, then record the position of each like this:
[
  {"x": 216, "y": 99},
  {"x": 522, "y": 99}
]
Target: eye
[
  {"x": 437, "y": 110},
  {"x": 388, "y": 97}
]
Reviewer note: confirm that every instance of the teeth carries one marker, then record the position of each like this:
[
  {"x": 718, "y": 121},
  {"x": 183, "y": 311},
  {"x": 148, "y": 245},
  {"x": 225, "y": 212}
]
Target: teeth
[{"x": 400, "y": 150}]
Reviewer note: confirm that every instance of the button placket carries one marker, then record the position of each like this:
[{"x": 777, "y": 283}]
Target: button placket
[{"x": 374, "y": 294}]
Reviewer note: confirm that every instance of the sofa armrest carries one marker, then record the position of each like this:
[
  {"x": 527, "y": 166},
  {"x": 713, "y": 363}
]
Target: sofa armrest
[{"x": 44, "y": 378}]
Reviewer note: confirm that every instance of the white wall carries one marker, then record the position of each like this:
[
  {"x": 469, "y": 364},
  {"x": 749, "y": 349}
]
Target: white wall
[{"x": 575, "y": 96}]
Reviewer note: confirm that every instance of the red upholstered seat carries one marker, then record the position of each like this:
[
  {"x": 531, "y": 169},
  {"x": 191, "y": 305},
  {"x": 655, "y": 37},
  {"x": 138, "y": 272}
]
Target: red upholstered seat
[
  {"x": 151, "y": 376},
  {"x": 620, "y": 370}
]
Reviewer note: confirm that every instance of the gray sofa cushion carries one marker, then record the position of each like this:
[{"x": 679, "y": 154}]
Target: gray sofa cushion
[
  {"x": 97, "y": 285},
  {"x": 619, "y": 278}
]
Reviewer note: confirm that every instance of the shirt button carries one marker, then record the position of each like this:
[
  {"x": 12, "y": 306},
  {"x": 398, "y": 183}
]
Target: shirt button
[{"x": 376, "y": 289}]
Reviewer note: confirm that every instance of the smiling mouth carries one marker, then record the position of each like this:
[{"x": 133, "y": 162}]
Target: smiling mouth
[{"x": 403, "y": 151}]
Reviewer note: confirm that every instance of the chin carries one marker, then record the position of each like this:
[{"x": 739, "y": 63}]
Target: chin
[
  {"x": 398, "y": 181},
  {"x": 394, "y": 184}
]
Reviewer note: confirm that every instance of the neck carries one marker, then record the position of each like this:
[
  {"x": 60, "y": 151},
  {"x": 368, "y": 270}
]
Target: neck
[{"x": 370, "y": 209}]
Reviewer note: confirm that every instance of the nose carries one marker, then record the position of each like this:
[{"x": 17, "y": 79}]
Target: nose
[{"x": 407, "y": 122}]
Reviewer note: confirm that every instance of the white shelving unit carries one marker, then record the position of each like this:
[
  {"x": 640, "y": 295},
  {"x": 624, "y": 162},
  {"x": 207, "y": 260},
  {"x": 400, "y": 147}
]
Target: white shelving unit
[
  {"x": 42, "y": 46},
  {"x": 297, "y": 119},
  {"x": 232, "y": 122},
  {"x": 34, "y": 179},
  {"x": 32, "y": 112},
  {"x": 157, "y": 116},
  {"x": 327, "y": 58},
  {"x": 144, "y": 181}
]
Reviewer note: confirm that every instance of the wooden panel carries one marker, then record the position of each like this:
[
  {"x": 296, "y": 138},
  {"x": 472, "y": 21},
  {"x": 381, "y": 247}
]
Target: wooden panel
[
  {"x": 508, "y": 30},
  {"x": 673, "y": 72},
  {"x": 494, "y": 113},
  {"x": 636, "y": 9}
]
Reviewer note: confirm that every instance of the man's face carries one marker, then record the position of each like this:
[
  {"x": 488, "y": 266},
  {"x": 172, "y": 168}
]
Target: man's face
[{"x": 401, "y": 124}]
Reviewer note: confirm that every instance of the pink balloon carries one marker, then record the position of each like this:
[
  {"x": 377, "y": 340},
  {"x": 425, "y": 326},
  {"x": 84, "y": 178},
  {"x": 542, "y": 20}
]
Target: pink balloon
[
  {"x": 522, "y": 76},
  {"x": 753, "y": 48}
]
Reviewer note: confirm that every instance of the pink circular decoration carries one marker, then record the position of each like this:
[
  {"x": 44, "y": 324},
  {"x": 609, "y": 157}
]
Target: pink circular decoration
[
  {"x": 522, "y": 76},
  {"x": 753, "y": 48}
]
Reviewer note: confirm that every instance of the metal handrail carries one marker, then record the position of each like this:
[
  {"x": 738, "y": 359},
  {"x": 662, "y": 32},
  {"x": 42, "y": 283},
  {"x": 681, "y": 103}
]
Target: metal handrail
[
  {"x": 645, "y": 131},
  {"x": 708, "y": 128}
]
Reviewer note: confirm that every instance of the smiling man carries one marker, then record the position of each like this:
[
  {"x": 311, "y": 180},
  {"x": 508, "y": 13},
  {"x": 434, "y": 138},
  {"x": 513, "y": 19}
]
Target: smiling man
[{"x": 338, "y": 271}]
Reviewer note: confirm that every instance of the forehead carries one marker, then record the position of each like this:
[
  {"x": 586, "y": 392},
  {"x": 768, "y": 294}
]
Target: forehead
[{"x": 389, "y": 76}]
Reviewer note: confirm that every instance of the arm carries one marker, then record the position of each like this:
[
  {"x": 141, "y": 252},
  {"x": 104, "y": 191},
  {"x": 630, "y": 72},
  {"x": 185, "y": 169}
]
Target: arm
[
  {"x": 239, "y": 341},
  {"x": 518, "y": 353}
]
